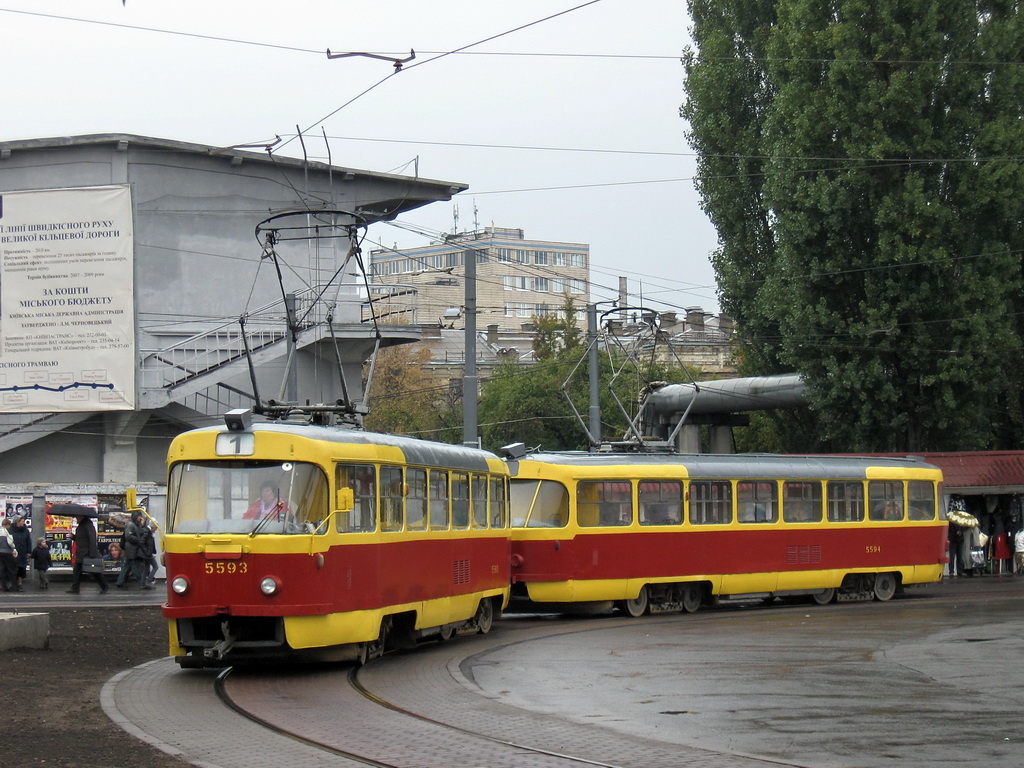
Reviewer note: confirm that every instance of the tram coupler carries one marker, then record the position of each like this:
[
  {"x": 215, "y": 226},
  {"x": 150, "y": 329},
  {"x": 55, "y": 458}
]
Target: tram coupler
[{"x": 222, "y": 647}]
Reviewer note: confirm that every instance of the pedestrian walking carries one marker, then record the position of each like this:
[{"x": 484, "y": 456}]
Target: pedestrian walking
[
  {"x": 138, "y": 540},
  {"x": 8, "y": 557},
  {"x": 85, "y": 544},
  {"x": 41, "y": 562},
  {"x": 23, "y": 543}
]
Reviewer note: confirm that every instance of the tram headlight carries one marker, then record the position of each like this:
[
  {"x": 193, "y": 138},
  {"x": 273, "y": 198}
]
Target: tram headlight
[
  {"x": 269, "y": 585},
  {"x": 179, "y": 585}
]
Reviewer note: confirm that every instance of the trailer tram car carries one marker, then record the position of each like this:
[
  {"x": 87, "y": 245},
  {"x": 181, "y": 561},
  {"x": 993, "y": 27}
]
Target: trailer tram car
[
  {"x": 652, "y": 533},
  {"x": 302, "y": 542}
]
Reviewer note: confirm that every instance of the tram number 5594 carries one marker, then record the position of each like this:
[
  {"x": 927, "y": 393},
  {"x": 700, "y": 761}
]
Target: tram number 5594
[
  {"x": 221, "y": 568},
  {"x": 873, "y": 549}
]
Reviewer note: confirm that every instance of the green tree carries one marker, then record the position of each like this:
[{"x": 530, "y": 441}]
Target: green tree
[
  {"x": 860, "y": 161},
  {"x": 405, "y": 399},
  {"x": 526, "y": 402}
]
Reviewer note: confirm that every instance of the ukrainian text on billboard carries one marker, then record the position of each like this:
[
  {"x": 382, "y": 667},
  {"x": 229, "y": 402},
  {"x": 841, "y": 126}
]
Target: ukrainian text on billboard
[{"x": 67, "y": 324}]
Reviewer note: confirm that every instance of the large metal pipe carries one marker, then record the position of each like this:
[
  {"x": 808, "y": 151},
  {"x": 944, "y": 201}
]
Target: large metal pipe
[{"x": 728, "y": 396}]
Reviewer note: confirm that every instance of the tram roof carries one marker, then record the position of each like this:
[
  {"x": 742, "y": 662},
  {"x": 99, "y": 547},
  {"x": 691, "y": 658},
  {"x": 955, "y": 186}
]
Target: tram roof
[
  {"x": 421, "y": 452},
  {"x": 737, "y": 464}
]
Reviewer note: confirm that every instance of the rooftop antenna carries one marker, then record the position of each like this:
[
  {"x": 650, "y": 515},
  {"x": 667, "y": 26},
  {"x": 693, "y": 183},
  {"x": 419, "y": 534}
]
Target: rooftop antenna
[
  {"x": 455, "y": 219},
  {"x": 476, "y": 218}
]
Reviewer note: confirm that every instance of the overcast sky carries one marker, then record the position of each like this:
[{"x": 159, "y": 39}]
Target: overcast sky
[{"x": 567, "y": 128}]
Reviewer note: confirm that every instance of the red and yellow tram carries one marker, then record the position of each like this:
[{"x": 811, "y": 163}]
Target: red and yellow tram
[
  {"x": 298, "y": 541},
  {"x": 660, "y": 532}
]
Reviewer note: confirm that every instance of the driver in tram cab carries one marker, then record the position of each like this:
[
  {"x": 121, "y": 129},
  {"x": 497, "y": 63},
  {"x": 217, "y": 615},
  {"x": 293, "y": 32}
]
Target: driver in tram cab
[{"x": 269, "y": 504}]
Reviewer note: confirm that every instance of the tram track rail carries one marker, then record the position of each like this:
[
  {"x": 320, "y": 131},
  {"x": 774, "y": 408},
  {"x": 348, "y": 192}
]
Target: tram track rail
[
  {"x": 461, "y": 704},
  {"x": 471, "y": 729}
]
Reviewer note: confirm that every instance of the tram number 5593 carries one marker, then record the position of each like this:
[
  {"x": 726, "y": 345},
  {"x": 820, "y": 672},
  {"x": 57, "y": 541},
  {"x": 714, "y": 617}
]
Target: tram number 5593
[{"x": 221, "y": 568}]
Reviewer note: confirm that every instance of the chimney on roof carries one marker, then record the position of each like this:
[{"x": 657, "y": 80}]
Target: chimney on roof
[
  {"x": 695, "y": 318},
  {"x": 492, "y": 333}
]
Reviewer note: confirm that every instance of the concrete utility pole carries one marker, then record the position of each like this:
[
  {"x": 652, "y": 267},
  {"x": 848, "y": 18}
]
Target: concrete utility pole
[
  {"x": 469, "y": 379},
  {"x": 594, "y": 412}
]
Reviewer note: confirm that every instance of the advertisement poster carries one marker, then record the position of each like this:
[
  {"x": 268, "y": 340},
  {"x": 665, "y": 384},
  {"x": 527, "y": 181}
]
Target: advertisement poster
[
  {"x": 17, "y": 506},
  {"x": 109, "y": 521},
  {"x": 67, "y": 320}
]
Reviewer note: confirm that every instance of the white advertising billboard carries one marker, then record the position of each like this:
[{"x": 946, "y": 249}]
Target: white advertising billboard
[{"x": 67, "y": 305}]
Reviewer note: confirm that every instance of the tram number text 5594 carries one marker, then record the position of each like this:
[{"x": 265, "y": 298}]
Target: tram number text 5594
[
  {"x": 221, "y": 567},
  {"x": 873, "y": 549}
]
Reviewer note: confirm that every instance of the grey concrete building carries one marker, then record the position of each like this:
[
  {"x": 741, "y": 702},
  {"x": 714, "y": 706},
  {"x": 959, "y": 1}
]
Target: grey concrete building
[{"x": 200, "y": 262}]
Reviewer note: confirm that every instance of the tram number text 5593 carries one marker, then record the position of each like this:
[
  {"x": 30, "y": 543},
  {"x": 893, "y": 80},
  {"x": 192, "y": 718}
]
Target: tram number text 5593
[
  {"x": 221, "y": 567},
  {"x": 873, "y": 549}
]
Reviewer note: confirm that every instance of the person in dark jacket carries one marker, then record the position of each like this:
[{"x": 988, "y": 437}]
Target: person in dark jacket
[
  {"x": 23, "y": 543},
  {"x": 8, "y": 557},
  {"x": 85, "y": 545},
  {"x": 137, "y": 542},
  {"x": 41, "y": 562}
]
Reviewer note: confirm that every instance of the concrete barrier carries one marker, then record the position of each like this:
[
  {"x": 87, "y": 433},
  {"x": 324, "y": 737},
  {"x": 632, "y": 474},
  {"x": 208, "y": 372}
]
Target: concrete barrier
[{"x": 24, "y": 630}]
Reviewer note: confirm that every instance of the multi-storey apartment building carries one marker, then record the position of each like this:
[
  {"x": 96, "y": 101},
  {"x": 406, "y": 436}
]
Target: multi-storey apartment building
[{"x": 516, "y": 279}]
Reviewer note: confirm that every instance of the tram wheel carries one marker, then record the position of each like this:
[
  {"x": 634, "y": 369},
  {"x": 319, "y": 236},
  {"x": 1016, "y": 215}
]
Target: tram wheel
[
  {"x": 885, "y": 586},
  {"x": 638, "y": 605},
  {"x": 375, "y": 648},
  {"x": 446, "y": 633},
  {"x": 692, "y": 596},
  {"x": 484, "y": 616},
  {"x": 824, "y": 596}
]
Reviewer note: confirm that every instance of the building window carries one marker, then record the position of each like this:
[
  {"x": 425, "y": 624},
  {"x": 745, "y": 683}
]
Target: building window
[
  {"x": 540, "y": 284},
  {"x": 540, "y": 257},
  {"x": 577, "y": 260},
  {"x": 558, "y": 259},
  {"x": 508, "y": 282},
  {"x": 577, "y": 286}
]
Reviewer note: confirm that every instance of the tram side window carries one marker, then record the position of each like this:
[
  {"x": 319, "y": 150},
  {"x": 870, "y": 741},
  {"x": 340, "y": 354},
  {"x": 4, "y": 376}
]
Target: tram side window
[
  {"x": 801, "y": 501},
  {"x": 460, "y": 500},
  {"x": 845, "y": 501},
  {"x": 921, "y": 500},
  {"x": 661, "y": 503},
  {"x": 538, "y": 504},
  {"x": 391, "y": 497},
  {"x": 604, "y": 502},
  {"x": 438, "y": 500},
  {"x": 885, "y": 500},
  {"x": 362, "y": 479},
  {"x": 499, "y": 503},
  {"x": 416, "y": 499},
  {"x": 757, "y": 501},
  {"x": 710, "y": 502},
  {"x": 478, "y": 487}
]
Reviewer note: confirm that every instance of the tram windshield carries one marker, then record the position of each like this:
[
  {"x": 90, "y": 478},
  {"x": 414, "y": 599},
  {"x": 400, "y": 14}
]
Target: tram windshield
[
  {"x": 247, "y": 497},
  {"x": 539, "y": 504}
]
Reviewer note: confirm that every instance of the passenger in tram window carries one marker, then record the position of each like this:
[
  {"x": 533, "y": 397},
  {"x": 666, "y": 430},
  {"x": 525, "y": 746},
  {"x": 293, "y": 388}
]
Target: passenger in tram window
[
  {"x": 663, "y": 514},
  {"x": 269, "y": 504},
  {"x": 892, "y": 510}
]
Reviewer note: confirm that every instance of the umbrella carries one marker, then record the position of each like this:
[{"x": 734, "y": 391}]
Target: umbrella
[
  {"x": 72, "y": 510},
  {"x": 962, "y": 517}
]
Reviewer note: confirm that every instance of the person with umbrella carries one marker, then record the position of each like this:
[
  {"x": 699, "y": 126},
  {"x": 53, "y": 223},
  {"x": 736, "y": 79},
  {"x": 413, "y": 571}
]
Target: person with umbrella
[{"x": 85, "y": 543}]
